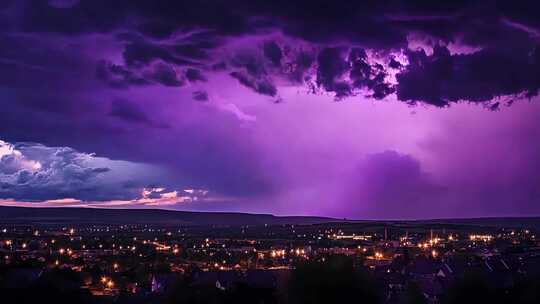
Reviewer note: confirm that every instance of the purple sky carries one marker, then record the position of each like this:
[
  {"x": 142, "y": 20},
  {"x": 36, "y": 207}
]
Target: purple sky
[{"x": 406, "y": 109}]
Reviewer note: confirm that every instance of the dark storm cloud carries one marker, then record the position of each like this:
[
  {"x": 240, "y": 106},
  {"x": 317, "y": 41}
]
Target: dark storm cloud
[
  {"x": 142, "y": 53},
  {"x": 273, "y": 52},
  {"x": 443, "y": 78},
  {"x": 146, "y": 31},
  {"x": 194, "y": 75},
  {"x": 370, "y": 76},
  {"x": 381, "y": 26},
  {"x": 166, "y": 75},
  {"x": 331, "y": 67},
  {"x": 337, "y": 62},
  {"x": 158, "y": 19},
  {"x": 196, "y": 51},
  {"x": 261, "y": 85},
  {"x": 200, "y": 96},
  {"x": 6, "y": 4},
  {"x": 296, "y": 69},
  {"x": 252, "y": 72},
  {"x": 118, "y": 76},
  {"x": 372, "y": 23}
]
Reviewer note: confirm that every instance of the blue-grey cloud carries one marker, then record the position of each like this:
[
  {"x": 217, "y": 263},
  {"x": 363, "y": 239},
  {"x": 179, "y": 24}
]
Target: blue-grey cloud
[{"x": 31, "y": 171}]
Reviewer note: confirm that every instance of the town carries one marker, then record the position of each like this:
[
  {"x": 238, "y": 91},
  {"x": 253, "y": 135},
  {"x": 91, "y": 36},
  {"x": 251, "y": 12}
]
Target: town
[{"x": 144, "y": 263}]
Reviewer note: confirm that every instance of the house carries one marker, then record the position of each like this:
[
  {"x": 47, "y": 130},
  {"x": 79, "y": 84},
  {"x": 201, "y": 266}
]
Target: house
[
  {"x": 21, "y": 277},
  {"x": 423, "y": 267},
  {"x": 531, "y": 267},
  {"x": 222, "y": 280},
  {"x": 161, "y": 282},
  {"x": 431, "y": 288},
  {"x": 260, "y": 279}
]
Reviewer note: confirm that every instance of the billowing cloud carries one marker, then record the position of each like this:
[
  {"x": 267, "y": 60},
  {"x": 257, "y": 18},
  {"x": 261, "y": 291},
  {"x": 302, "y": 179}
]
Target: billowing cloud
[
  {"x": 236, "y": 97},
  {"x": 200, "y": 96},
  {"x": 118, "y": 76},
  {"x": 391, "y": 185},
  {"x": 443, "y": 78},
  {"x": 262, "y": 86},
  {"x": 30, "y": 171},
  {"x": 188, "y": 36}
]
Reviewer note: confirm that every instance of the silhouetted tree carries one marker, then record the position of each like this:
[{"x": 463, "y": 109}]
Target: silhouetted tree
[
  {"x": 472, "y": 288},
  {"x": 57, "y": 286},
  {"x": 183, "y": 291},
  {"x": 412, "y": 295},
  {"x": 333, "y": 281},
  {"x": 525, "y": 291}
]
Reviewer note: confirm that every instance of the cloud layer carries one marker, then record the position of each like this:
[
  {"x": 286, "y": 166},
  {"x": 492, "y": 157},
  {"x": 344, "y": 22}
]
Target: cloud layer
[
  {"x": 343, "y": 48},
  {"x": 237, "y": 97}
]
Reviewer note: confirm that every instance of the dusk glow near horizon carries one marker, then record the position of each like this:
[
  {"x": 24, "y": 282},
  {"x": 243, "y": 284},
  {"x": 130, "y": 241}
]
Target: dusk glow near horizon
[{"x": 346, "y": 109}]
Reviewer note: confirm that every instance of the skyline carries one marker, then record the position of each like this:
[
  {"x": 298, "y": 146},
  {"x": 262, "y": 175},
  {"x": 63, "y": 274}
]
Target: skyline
[{"x": 401, "y": 110}]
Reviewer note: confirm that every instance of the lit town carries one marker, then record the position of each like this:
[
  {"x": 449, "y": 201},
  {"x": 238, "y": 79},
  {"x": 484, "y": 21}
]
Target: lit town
[{"x": 386, "y": 262}]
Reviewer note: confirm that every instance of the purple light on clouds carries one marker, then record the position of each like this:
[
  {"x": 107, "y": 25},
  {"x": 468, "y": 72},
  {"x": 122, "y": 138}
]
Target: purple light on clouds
[{"x": 356, "y": 111}]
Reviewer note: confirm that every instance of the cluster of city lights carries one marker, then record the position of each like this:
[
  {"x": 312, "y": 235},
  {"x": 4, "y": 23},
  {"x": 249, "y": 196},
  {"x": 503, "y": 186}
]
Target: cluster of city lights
[
  {"x": 107, "y": 282},
  {"x": 481, "y": 237},
  {"x": 277, "y": 253}
]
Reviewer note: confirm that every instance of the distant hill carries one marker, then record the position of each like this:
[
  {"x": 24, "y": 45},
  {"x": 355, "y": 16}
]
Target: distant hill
[
  {"x": 147, "y": 216},
  {"x": 506, "y": 222},
  {"x": 532, "y": 223},
  {"x": 24, "y": 215}
]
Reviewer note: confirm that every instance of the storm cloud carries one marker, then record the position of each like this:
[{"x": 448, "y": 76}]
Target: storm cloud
[
  {"x": 30, "y": 171},
  {"x": 183, "y": 34},
  {"x": 237, "y": 98}
]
